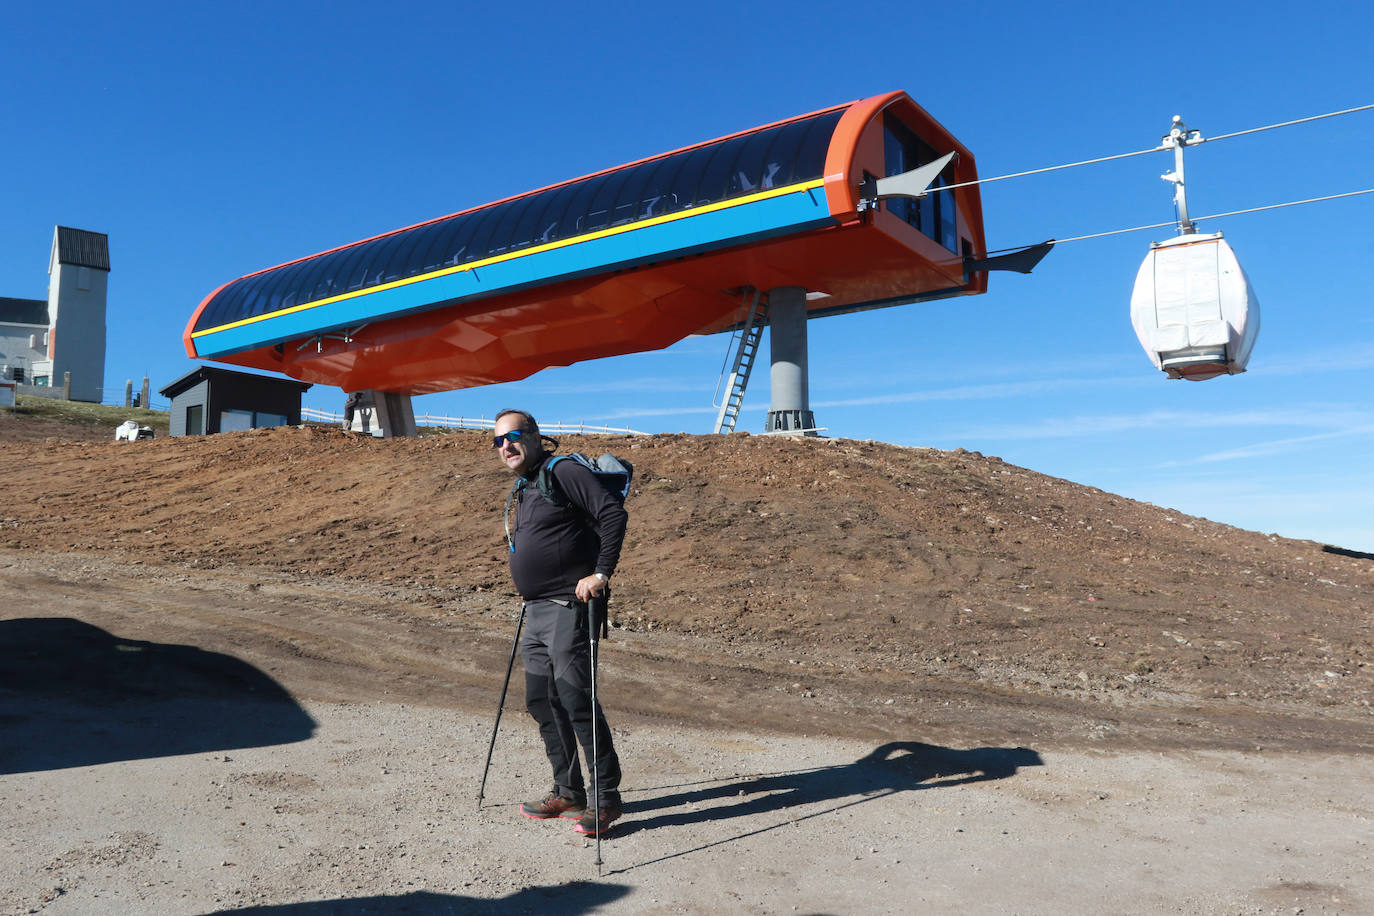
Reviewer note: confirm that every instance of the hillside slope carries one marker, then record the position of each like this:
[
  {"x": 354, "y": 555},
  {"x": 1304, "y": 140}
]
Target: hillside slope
[{"x": 853, "y": 556}]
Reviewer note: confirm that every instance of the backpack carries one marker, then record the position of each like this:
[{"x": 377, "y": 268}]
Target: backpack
[{"x": 614, "y": 474}]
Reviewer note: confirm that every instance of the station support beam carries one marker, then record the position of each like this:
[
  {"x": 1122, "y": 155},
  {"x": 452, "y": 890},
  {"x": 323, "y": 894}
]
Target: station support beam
[
  {"x": 790, "y": 410},
  {"x": 395, "y": 416}
]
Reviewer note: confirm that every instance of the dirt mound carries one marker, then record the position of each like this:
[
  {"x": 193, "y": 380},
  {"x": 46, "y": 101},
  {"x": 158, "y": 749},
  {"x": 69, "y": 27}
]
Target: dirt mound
[{"x": 857, "y": 557}]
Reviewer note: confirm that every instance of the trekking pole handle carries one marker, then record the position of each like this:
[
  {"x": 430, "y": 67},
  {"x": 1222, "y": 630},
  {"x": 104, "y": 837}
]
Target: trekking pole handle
[{"x": 598, "y": 614}]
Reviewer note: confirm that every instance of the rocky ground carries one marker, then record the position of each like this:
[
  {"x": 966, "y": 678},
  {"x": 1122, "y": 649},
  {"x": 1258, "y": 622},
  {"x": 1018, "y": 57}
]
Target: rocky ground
[{"x": 260, "y": 670}]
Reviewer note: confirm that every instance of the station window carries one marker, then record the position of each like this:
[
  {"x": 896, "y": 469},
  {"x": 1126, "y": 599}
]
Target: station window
[
  {"x": 933, "y": 215},
  {"x": 232, "y": 420}
]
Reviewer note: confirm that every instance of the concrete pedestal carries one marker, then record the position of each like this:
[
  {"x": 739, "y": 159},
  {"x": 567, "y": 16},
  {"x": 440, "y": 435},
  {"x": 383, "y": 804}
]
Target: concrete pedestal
[
  {"x": 790, "y": 407},
  {"x": 383, "y": 414}
]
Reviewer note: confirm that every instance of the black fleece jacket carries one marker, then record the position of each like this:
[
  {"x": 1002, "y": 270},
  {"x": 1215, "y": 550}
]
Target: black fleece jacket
[{"x": 555, "y": 546}]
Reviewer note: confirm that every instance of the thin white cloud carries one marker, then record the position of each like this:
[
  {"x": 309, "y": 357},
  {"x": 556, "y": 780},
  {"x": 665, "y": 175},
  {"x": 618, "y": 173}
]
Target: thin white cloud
[
  {"x": 1344, "y": 357},
  {"x": 921, "y": 372},
  {"x": 965, "y": 392},
  {"x": 1337, "y": 419},
  {"x": 623, "y": 413},
  {"x": 961, "y": 393},
  {"x": 611, "y": 385},
  {"x": 1279, "y": 446}
]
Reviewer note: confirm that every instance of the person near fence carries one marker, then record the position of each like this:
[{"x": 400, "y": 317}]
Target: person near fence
[
  {"x": 357, "y": 401},
  {"x": 560, "y": 557}
]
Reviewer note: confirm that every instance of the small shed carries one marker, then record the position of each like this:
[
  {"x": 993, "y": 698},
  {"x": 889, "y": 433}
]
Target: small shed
[{"x": 212, "y": 400}]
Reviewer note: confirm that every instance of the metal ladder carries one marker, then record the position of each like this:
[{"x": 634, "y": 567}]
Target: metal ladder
[{"x": 751, "y": 333}]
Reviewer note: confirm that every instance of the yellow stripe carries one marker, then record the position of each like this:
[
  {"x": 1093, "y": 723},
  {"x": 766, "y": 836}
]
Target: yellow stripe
[{"x": 525, "y": 252}]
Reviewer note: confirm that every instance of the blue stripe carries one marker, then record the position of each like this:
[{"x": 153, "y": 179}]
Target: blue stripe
[{"x": 785, "y": 215}]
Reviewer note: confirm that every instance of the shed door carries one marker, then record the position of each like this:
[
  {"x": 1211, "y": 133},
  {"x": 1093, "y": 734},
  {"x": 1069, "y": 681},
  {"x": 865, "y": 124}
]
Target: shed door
[{"x": 195, "y": 420}]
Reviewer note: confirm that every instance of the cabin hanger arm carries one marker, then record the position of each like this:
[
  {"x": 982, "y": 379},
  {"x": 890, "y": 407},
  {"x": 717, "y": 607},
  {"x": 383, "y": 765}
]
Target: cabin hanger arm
[
  {"x": 915, "y": 183},
  {"x": 1023, "y": 261}
]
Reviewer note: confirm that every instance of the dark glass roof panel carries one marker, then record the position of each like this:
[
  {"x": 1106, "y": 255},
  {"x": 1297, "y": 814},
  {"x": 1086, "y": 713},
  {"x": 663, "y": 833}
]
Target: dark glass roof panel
[
  {"x": 311, "y": 278},
  {"x": 549, "y": 228},
  {"x": 576, "y": 209},
  {"x": 525, "y": 233},
  {"x": 485, "y": 221},
  {"x": 598, "y": 215},
  {"x": 400, "y": 267},
  {"x": 503, "y": 234},
  {"x": 437, "y": 247},
  {"x": 278, "y": 291},
  {"x": 714, "y": 183},
  {"x": 656, "y": 198},
  {"x": 746, "y": 164}
]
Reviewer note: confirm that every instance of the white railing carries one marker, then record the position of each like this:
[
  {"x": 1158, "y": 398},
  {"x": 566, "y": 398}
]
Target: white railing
[{"x": 446, "y": 422}]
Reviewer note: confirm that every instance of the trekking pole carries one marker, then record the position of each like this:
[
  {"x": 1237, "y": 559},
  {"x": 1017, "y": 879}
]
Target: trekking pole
[
  {"x": 501, "y": 705},
  {"x": 596, "y": 607}
]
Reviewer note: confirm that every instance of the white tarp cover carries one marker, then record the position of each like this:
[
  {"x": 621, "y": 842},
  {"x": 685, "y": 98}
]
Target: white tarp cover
[
  {"x": 131, "y": 431},
  {"x": 1193, "y": 308}
]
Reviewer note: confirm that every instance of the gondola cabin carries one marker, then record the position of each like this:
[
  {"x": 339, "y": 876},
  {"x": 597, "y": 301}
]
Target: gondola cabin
[
  {"x": 629, "y": 259},
  {"x": 1193, "y": 308}
]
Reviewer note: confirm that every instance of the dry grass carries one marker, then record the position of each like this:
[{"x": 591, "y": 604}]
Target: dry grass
[{"x": 82, "y": 413}]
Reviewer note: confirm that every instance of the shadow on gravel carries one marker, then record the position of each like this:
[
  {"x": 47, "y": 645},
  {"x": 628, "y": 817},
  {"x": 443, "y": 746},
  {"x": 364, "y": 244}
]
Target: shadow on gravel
[
  {"x": 897, "y": 766},
  {"x": 561, "y": 900},
  {"x": 72, "y": 694}
]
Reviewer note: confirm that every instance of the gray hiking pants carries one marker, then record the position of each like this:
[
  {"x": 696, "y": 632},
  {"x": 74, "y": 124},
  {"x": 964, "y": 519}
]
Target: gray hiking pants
[{"x": 558, "y": 680}]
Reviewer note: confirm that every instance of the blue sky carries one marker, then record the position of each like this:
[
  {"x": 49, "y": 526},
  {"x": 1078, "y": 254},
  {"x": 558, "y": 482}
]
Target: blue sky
[{"x": 212, "y": 141}]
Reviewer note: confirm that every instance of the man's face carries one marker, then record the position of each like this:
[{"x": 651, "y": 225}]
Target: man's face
[{"x": 516, "y": 455}]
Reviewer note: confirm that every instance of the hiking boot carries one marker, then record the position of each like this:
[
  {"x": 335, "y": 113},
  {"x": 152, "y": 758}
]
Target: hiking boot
[
  {"x": 553, "y": 805},
  {"x": 587, "y": 824}
]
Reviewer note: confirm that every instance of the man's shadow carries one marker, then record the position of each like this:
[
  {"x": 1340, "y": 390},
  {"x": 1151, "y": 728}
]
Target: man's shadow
[
  {"x": 897, "y": 766},
  {"x": 571, "y": 899}
]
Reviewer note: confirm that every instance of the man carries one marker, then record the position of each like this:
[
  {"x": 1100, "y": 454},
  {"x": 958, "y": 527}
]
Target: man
[
  {"x": 357, "y": 402},
  {"x": 560, "y": 557}
]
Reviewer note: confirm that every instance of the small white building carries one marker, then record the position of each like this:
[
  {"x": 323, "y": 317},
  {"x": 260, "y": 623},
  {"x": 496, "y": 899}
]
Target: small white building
[
  {"x": 42, "y": 341},
  {"x": 23, "y": 338}
]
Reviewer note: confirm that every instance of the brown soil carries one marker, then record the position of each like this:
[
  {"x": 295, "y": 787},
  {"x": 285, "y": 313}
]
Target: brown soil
[{"x": 789, "y": 586}]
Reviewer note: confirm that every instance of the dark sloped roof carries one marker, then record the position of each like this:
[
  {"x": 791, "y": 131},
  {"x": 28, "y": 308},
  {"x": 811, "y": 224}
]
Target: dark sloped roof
[
  {"x": 24, "y": 311},
  {"x": 82, "y": 248},
  {"x": 215, "y": 373}
]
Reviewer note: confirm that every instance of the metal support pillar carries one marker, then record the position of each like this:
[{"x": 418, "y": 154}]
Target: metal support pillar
[
  {"x": 395, "y": 416},
  {"x": 790, "y": 409}
]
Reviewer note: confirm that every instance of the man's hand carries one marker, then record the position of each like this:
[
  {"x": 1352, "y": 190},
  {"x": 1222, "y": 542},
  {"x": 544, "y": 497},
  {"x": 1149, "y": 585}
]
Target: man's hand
[{"x": 591, "y": 586}]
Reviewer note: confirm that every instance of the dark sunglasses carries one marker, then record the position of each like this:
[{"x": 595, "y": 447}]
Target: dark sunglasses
[{"x": 513, "y": 436}]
